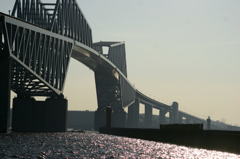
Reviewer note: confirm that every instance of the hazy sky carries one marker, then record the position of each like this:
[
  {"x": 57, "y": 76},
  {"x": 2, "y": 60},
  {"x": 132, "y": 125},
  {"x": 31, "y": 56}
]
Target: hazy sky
[{"x": 185, "y": 51}]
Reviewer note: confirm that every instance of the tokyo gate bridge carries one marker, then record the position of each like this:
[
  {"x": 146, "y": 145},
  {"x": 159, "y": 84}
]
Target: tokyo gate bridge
[{"x": 37, "y": 41}]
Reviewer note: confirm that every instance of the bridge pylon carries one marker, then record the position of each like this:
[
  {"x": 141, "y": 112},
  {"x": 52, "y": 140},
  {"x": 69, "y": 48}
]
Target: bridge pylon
[{"x": 112, "y": 87}]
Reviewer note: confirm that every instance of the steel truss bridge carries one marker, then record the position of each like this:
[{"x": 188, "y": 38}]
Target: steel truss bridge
[{"x": 37, "y": 42}]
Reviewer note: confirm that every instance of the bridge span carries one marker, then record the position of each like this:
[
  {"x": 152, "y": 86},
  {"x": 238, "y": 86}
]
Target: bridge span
[{"x": 36, "y": 43}]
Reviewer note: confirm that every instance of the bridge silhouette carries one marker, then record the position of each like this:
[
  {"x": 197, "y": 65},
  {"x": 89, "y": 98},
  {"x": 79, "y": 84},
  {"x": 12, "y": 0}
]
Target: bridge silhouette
[{"x": 37, "y": 42}]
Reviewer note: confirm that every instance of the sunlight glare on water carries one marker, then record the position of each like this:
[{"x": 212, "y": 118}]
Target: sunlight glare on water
[{"x": 94, "y": 145}]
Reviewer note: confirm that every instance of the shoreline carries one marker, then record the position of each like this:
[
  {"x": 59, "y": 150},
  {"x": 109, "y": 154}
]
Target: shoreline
[{"x": 225, "y": 141}]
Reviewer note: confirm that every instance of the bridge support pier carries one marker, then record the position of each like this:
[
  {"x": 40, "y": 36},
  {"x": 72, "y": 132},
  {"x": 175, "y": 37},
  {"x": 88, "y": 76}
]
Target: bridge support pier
[
  {"x": 180, "y": 119},
  {"x": 133, "y": 115},
  {"x": 5, "y": 93},
  {"x": 119, "y": 119},
  {"x": 30, "y": 115},
  {"x": 56, "y": 115},
  {"x": 99, "y": 119},
  {"x": 208, "y": 123},
  {"x": 170, "y": 118},
  {"x": 175, "y": 112},
  {"x": 162, "y": 118},
  {"x": 148, "y": 116},
  {"x": 130, "y": 119},
  {"x": 136, "y": 113}
]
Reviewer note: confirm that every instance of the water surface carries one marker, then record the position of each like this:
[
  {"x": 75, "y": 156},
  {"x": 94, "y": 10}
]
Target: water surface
[{"x": 94, "y": 145}]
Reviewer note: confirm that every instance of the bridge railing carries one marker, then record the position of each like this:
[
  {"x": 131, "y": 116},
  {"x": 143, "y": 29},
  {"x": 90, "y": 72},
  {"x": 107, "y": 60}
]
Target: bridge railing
[{"x": 63, "y": 17}]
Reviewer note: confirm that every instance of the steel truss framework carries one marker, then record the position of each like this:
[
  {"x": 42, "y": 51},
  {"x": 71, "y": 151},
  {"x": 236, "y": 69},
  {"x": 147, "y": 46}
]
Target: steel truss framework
[
  {"x": 63, "y": 17},
  {"x": 108, "y": 91},
  {"x": 116, "y": 54},
  {"x": 40, "y": 58},
  {"x": 41, "y": 49}
]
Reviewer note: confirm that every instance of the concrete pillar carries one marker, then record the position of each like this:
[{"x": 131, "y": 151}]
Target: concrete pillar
[
  {"x": 208, "y": 123},
  {"x": 39, "y": 116},
  {"x": 187, "y": 120},
  {"x": 22, "y": 114},
  {"x": 99, "y": 119},
  {"x": 30, "y": 115},
  {"x": 5, "y": 93},
  {"x": 180, "y": 119},
  {"x": 162, "y": 118},
  {"x": 56, "y": 115},
  {"x": 119, "y": 119},
  {"x": 136, "y": 113},
  {"x": 175, "y": 112},
  {"x": 148, "y": 116},
  {"x": 109, "y": 116},
  {"x": 170, "y": 118},
  {"x": 130, "y": 120}
]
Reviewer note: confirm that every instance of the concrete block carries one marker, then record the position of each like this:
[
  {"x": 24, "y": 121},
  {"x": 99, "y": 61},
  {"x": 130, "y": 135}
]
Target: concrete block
[
  {"x": 119, "y": 119},
  {"x": 56, "y": 115},
  {"x": 39, "y": 116},
  {"x": 5, "y": 85},
  {"x": 99, "y": 119},
  {"x": 22, "y": 117}
]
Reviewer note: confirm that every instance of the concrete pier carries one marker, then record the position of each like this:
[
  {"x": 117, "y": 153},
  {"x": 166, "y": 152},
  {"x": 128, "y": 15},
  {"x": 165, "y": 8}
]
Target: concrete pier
[
  {"x": 30, "y": 115},
  {"x": 119, "y": 119},
  {"x": 170, "y": 117},
  {"x": 136, "y": 113},
  {"x": 39, "y": 115},
  {"x": 179, "y": 119},
  {"x": 148, "y": 116},
  {"x": 130, "y": 119},
  {"x": 56, "y": 115},
  {"x": 208, "y": 123},
  {"x": 133, "y": 115},
  {"x": 99, "y": 119},
  {"x": 175, "y": 113},
  {"x": 23, "y": 114},
  {"x": 5, "y": 93},
  {"x": 162, "y": 116}
]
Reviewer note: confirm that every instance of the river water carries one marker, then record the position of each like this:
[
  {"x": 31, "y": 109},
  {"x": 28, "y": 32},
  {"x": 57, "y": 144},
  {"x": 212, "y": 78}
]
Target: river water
[{"x": 94, "y": 145}]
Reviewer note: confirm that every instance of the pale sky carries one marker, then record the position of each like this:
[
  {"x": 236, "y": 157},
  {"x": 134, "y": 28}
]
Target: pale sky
[{"x": 185, "y": 51}]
